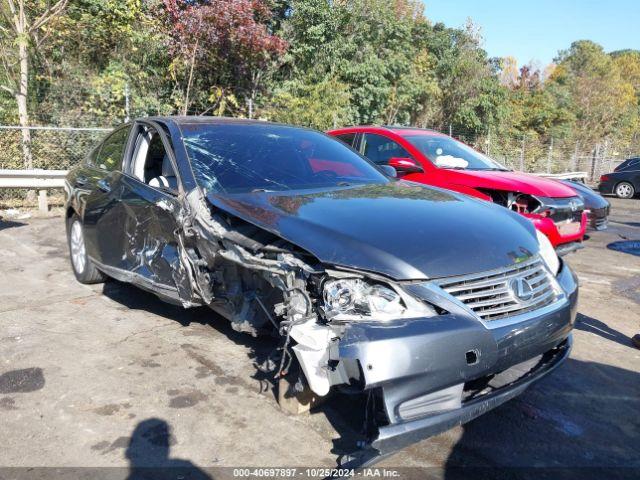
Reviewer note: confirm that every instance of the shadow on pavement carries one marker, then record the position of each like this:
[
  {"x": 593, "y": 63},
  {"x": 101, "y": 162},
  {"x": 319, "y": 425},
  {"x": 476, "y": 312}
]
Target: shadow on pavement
[
  {"x": 5, "y": 224},
  {"x": 149, "y": 455},
  {"x": 591, "y": 325},
  {"x": 579, "y": 422}
]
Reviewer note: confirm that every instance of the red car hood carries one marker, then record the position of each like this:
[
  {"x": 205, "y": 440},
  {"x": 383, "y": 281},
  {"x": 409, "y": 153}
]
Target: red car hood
[{"x": 510, "y": 181}]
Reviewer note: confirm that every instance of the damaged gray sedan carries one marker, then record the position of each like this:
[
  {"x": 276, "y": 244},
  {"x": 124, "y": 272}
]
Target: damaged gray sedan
[{"x": 434, "y": 306}]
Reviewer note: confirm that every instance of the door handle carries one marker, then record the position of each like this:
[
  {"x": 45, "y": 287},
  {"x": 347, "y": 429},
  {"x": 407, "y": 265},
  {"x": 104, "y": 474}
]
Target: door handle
[
  {"x": 81, "y": 181},
  {"x": 104, "y": 185}
]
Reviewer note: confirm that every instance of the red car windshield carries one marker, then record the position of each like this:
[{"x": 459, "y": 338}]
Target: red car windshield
[{"x": 445, "y": 152}]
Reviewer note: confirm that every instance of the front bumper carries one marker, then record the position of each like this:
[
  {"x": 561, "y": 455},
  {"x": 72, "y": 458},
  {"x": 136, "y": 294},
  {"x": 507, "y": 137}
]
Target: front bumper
[
  {"x": 554, "y": 231},
  {"x": 599, "y": 218},
  {"x": 424, "y": 369}
]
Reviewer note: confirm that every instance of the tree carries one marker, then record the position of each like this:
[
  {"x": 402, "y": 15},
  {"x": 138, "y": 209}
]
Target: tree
[
  {"x": 23, "y": 23},
  {"x": 589, "y": 83},
  {"x": 370, "y": 47},
  {"x": 320, "y": 104},
  {"x": 106, "y": 60},
  {"x": 220, "y": 44}
]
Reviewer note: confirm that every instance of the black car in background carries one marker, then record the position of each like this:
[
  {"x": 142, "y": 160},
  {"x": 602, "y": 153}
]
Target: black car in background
[
  {"x": 595, "y": 206},
  {"x": 624, "y": 181},
  {"x": 428, "y": 305}
]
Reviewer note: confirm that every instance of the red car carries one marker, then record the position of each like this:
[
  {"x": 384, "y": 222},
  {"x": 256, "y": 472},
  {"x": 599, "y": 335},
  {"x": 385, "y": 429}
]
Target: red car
[{"x": 429, "y": 157}]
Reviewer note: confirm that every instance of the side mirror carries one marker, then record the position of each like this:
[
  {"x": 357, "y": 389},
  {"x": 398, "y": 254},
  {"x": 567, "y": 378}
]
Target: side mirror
[
  {"x": 405, "y": 165},
  {"x": 388, "y": 170}
]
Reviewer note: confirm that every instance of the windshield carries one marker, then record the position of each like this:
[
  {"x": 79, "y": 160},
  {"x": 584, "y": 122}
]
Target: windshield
[
  {"x": 445, "y": 152},
  {"x": 238, "y": 158}
]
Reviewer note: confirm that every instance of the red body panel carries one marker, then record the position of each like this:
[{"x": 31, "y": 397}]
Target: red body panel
[{"x": 472, "y": 182}]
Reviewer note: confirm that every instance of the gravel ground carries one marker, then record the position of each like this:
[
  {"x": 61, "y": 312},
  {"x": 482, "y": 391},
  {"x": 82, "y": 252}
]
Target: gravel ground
[{"x": 109, "y": 376}]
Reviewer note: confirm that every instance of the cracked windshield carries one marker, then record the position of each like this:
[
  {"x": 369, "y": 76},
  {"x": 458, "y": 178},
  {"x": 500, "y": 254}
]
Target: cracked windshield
[
  {"x": 254, "y": 158},
  {"x": 448, "y": 153}
]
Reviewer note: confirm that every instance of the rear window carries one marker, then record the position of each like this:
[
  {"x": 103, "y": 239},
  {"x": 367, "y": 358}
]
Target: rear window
[
  {"x": 112, "y": 150},
  {"x": 630, "y": 164},
  {"x": 237, "y": 158}
]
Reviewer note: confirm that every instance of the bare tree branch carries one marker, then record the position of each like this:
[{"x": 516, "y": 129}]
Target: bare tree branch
[
  {"x": 8, "y": 89},
  {"x": 50, "y": 13}
]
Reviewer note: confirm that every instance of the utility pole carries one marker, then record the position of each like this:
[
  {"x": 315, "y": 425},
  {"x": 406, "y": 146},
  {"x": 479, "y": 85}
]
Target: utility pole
[
  {"x": 594, "y": 157},
  {"x": 574, "y": 165},
  {"x": 549, "y": 156},
  {"x": 126, "y": 102},
  {"x": 604, "y": 155}
]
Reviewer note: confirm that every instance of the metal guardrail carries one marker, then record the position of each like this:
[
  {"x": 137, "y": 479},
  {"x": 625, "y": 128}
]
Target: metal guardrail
[
  {"x": 45, "y": 179},
  {"x": 35, "y": 179}
]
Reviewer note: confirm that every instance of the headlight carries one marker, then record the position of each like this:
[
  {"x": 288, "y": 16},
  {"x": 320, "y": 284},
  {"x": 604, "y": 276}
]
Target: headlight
[
  {"x": 548, "y": 253},
  {"x": 355, "y": 299}
]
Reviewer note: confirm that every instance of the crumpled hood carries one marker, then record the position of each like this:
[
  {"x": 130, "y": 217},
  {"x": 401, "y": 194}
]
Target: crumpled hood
[
  {"x": 400, "y": 229},
  {"x": 512, "y": 182}
]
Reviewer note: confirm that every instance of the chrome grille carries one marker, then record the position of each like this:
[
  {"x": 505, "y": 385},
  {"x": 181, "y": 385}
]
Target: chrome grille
[{"x": 492, "y": 295}]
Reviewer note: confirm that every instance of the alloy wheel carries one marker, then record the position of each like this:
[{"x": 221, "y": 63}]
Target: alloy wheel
[
  {"x": 624, "y": 190},
  {"x": 78, "y": 252}
]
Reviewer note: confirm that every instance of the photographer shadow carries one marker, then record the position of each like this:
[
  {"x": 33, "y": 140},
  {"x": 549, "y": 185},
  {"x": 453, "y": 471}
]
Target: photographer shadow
[{"x": 148, "y": 454}]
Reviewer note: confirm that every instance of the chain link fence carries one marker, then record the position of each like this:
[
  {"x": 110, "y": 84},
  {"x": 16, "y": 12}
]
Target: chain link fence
[
  {"x": 533, "y": 154},
  {"x": 53, "y": 148},
  {"x": 50, "y": 148}
]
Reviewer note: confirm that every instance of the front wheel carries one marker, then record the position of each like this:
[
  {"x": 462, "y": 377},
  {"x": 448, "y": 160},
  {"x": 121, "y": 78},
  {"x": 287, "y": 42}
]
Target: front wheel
[
  {"x": 625, "y": 190},
  {"x": 84, "y": 270}
]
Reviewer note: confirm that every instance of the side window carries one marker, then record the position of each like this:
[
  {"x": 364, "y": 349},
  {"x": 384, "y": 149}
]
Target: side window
[
  {"x": 112, "y": 150},
  {"x": 347, "y": 138},
  {"x": 151, "y": 163},
  {"x": 92, "y": 157},
  {"x": 380, "y": 149}
]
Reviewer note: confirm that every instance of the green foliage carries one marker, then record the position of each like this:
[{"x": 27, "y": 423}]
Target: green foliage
[
  {"x": 589, "y": 83},
  {"x": 319, "y": 64},
  {"x": 320, "y": 104}
]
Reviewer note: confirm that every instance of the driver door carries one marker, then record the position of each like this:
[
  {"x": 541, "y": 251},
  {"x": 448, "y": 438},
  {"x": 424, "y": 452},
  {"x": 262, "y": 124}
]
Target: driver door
[{"x": 150, "y": 205}]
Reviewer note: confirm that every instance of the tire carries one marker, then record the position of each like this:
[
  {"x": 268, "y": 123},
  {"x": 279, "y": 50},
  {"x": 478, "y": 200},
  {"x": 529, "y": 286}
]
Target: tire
[
  {"x": 624, "y": 190},
  {"x": 84, "y": 270}
]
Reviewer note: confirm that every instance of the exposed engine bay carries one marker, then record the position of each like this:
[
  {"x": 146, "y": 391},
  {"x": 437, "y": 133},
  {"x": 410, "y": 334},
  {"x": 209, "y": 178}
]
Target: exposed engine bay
[
  {"x": 558, "y": 209},
  {"x": 261, "y": 284}
]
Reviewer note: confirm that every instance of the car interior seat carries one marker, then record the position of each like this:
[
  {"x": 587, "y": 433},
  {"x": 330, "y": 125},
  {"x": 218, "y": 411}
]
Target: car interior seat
[{"x": 167, "y": 177}]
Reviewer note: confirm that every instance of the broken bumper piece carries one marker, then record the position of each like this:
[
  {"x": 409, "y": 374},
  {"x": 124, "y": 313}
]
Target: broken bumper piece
[
  {"x": 394, "y": 437},
  {"x": 435, "y": 373}
]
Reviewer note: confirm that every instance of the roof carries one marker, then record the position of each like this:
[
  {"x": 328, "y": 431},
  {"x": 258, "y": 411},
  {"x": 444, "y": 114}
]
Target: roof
[
  {"x": 413, "y": 130},
  {"x": 202, "y": 119},
  {"x": 399, "y": 130}
]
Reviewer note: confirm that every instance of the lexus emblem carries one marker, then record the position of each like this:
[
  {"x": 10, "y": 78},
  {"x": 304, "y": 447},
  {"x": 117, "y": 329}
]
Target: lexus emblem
[{"x": 522, "y": 289}]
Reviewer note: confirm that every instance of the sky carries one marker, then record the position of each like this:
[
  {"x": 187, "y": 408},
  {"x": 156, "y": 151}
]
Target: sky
[{"x": 537, "y": 29}]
